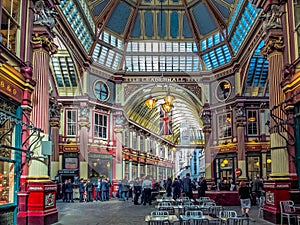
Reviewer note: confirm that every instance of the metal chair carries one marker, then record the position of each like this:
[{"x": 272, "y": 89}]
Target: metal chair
[
  {"x": 159, "y": 213},
  {"x": 228, "y": 214},
  {"x": 215, "y": 210},
  {"x": 238, "y": 221},
  {"x": 164, "y": 204},
  {"x": 169, "y": 209},
  {"x": 198, "y": 221},
  {"x": 204, "y": 199},
  {"x": 197, "y": 213},
  {"x": 158, "y": 222},
  {"x": 191, "y": 208},
  {"x": 298, "y": 220},
  {"x": 287, "y": 209}
]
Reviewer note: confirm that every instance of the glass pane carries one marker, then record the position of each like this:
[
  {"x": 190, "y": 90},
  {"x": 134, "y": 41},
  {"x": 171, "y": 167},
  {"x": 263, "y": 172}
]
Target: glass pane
[{"x": 6, "y": 183}]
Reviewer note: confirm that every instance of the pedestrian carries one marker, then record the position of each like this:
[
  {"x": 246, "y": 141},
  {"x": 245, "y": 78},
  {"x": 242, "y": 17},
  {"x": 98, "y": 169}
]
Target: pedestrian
[
  {"x": 176, "y": 186},
  {"x": 137, "y": 188},
  {"x": 89, "y": 190},
  {"x": 245, "y": 198},
  {"x": 108, "y": 183},
  {"x": 98, "y": 186},
  {"x": 81, "y": 190},
  {"x": 104, "y": 190},
  {"x": 125, "y": 189},
  {"x": 69, "y": 190},
  {"x": 187, "y": 186},
  {"x": 169, "y": 187},
  {"x": 202, "y": 187},
  {"x": 63, "y": 190},
  {"x": 147, "y": 188}
]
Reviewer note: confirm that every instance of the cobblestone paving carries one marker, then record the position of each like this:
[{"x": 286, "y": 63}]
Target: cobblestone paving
[{"x": 115, "y": 212}]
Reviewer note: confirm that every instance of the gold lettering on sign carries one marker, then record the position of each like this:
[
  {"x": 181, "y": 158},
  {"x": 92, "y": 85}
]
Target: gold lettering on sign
[{"x": 7, "y": 88}]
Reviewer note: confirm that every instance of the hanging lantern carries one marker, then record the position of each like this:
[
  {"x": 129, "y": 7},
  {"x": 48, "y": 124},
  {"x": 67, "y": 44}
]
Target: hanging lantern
[
  {"x": 150, "y": 102},
  {"x": 225, "y": 161}
]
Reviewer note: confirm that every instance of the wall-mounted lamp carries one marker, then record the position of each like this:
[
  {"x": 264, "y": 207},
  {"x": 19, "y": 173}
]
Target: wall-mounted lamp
[{"x": 269, "y": 161}]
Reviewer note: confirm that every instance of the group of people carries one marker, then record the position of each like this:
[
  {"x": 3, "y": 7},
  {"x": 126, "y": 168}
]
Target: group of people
[
  {"x": 186, "y": 186},
  {"x": 86, "y": 190}
]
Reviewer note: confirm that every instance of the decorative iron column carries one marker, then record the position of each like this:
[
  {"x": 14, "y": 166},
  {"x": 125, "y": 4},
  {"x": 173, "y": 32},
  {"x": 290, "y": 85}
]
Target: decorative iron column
[
  {"x": 240, "y": 129},
  {"x": 54, "y": 124},
  {"x": 206, "y": 118},
  {"x": 84, "y": 125},
  {"x": 118, "y": 129}
]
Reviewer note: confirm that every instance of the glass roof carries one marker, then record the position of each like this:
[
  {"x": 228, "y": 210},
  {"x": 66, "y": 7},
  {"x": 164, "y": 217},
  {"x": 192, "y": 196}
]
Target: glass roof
[{"x": 194, "y": 35}]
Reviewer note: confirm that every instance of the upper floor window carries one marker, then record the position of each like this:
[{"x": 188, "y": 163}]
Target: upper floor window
[
  {"x": 100, "y": 125},
  {"x": 101, "y": 91},
  {"x": 142, "y": 143},
  {"x": 224, "y": 124},
  {"x": 71, "y": 122},
  {"x": 10, "y": 24},
  {"x": 252, "y": 122},
  {"x": 126, "y": 138}
]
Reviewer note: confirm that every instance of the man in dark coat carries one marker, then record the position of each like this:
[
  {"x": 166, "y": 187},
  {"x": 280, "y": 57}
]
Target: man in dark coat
[
  {"x": 176, "y": 188},
  {"x": 187, "y": 186},
  {"x": 137, "y": 188},
  {"x": 202, "y": 187},
  {"x": 89, "y": 191},
  {"x": 63, "y": 190},
  {"x": 69, "y": 190},
  {"x": 81, "y": 190}
]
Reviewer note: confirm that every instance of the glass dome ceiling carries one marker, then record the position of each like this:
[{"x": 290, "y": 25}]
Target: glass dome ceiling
[{"x": 160, "y": 35}]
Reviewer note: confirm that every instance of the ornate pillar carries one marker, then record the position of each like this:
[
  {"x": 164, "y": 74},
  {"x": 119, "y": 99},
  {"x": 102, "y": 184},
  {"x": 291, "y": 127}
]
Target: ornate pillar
[
  {"x": 279, "y": 185},
  {"x": 206, "y": 118},
  {"x": 118, "y": 129},
  {"x": 54, "y": 124},
  {"x": 42, "y": 48},
  {"x": 38, "y": 185},
  {"x": 84, "y": 126},
  {"x": 240, "y": 129}
]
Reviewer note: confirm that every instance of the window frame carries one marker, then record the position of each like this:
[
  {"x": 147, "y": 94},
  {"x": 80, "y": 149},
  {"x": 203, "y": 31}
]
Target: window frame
[
  {"x": 72, "y": 123},
  {"x": 103, "y": 127}
]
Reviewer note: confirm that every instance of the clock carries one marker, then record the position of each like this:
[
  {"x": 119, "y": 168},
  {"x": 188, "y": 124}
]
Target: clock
[
  {"x": 101, "y": 90},
  {"x": 223, "y": 90}
]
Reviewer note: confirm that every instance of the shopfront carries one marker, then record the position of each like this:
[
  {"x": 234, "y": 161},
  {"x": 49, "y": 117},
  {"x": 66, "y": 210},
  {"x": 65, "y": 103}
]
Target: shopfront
[
  {"x": 10, "y": 158},
  {"x": 225, "y": 165}
]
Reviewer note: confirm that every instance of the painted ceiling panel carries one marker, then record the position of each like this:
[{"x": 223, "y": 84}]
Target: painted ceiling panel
[
  {"x": 187, "y": 31},
  {"x": 136, "y": 31},
  {"x": 98, "y": 8},
  {"x": 201, "y": 13},
  {"x": 224, "y": 10},
  {"x": 119, "y": 18},
  {"x": 149, "y": 24},
  {"x": 174, "y": 25}
]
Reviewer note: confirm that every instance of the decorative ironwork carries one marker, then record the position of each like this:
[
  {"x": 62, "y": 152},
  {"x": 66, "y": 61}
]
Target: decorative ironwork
[{"x": 35, "y": 132}]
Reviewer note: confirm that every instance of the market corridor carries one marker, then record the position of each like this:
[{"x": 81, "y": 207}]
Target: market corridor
[{"x": 116, "y": 212}]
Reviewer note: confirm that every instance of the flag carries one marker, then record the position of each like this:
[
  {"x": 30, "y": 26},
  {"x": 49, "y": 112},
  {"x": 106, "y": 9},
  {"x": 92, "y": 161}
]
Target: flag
[{"x": 165, "y": 122}]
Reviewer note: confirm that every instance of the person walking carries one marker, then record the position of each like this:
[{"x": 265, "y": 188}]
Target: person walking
[
  {"x": 81, "y": 190},
  {"x": 202, "y": 187},
  {"x": 245, "y": 198},
  {"x": 147, "y": 188},
  {"x": 89, "y": 191},
  {"x": 108, "y": 188},
  {"x": 176, "y": 186},
  {"x": 104, "y": 190},
  {"x": 125, "y": 189},
  {"x": 63, "y": 190},
  {"x": 169, "y": 187},
  {"x": 137, "y": 188},
  {"x": 98, "y": 186},
  {"x": 187, "y": 186},
  {"x": 69, "y": 190}
]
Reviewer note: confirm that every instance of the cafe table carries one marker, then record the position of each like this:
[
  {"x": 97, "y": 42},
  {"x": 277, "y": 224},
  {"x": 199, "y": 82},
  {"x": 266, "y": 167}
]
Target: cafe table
[
  {"x": 178, "y": 208},
  {"x": 184, "y": 218},
  {"x": 165, "y": 200},
  {"x": 171, "y": 218}
]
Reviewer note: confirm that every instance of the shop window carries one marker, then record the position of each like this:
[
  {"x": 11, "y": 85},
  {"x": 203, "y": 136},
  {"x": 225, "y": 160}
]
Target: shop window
[
  {"x": 253, "y": 163},
  {"x": 10, "y": 24},
  {"x": 71, "y": 122},
  {"x": 224, "y": 124},
  {"x": 268, "y": 165},
  {"x": 6, "y": 182},
  {"x": 142, "y": 143},
  {"x": 71, "y": 160},
  {"x": 100, "y": 125},
  {"x": 126, "y": 138},
  {"x": 252, "y": 122}
]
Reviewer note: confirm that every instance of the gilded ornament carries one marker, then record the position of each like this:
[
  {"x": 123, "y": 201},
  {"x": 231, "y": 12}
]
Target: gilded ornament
[{"x": 274, "y": 44}]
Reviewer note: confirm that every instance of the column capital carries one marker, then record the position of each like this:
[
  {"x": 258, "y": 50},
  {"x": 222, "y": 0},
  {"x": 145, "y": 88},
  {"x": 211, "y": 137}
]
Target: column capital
[
  {"x": 84, "y": 123},
  {"x": 273, "y": 44},
  {"x": 44, "y": 41}
]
